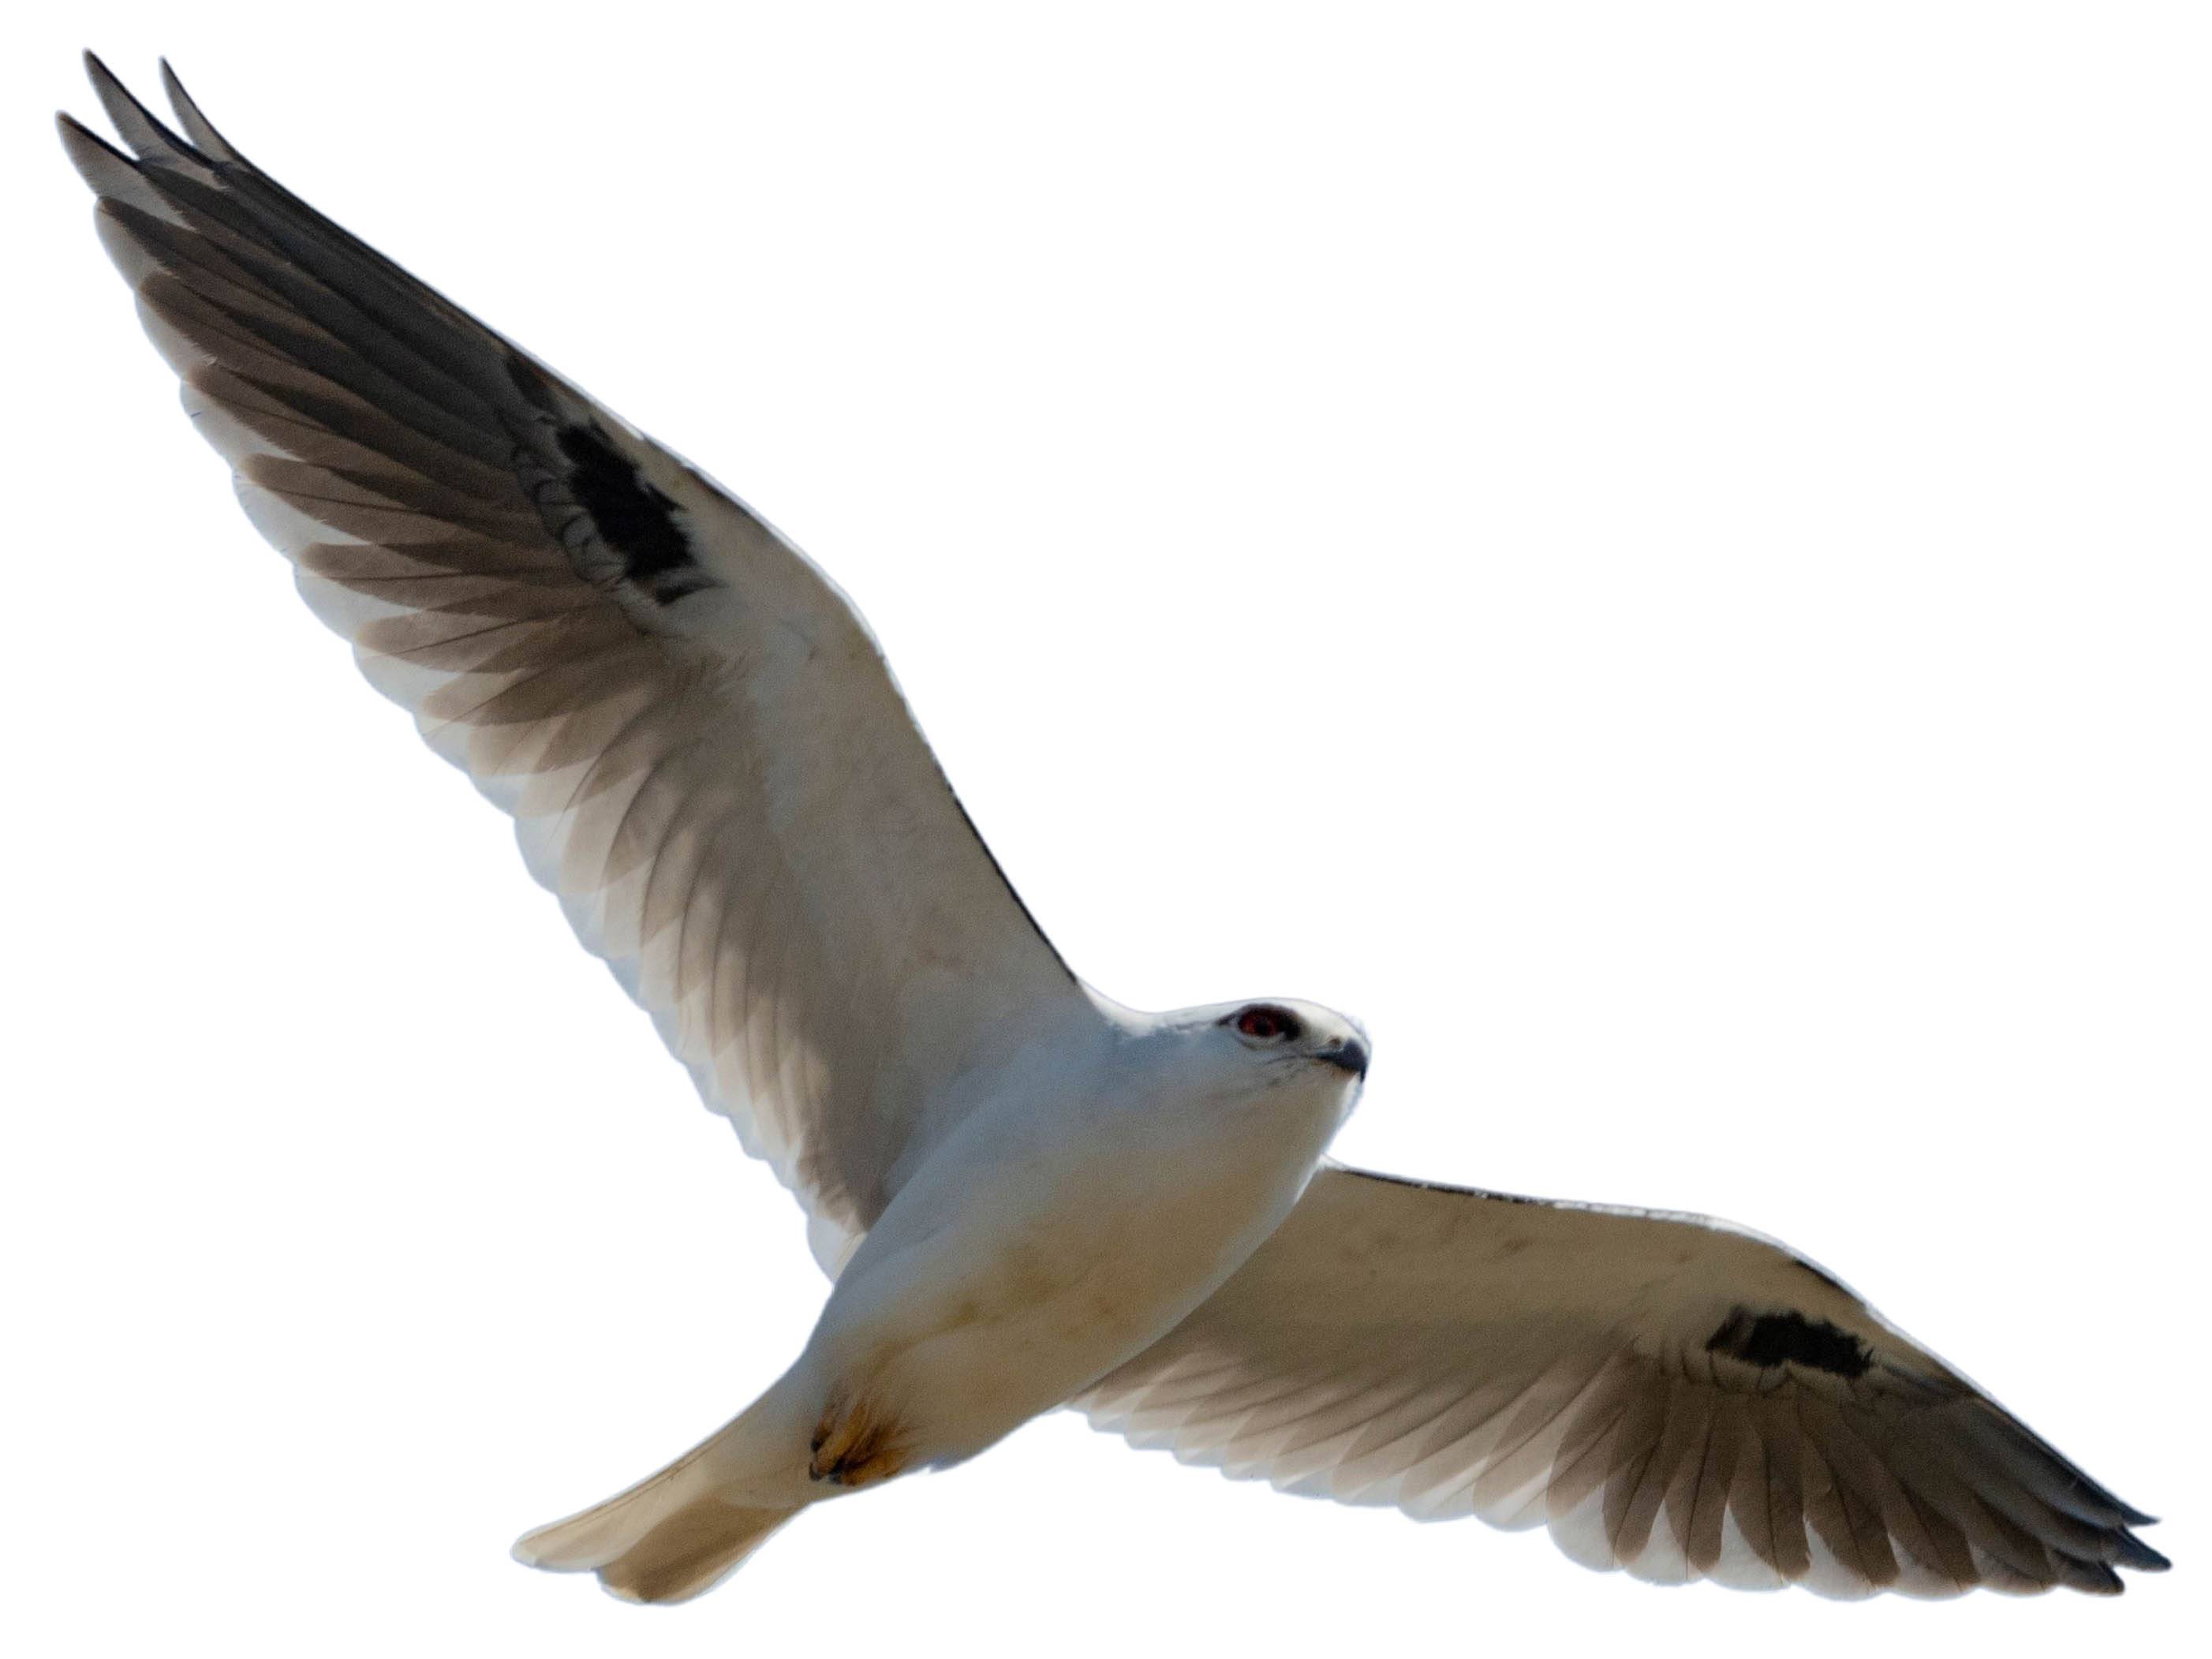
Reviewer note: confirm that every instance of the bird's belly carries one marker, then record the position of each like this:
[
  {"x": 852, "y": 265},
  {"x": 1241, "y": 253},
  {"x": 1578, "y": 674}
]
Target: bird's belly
[
  {"x": 1010, "y": 1312},
  {"x": 1048, "y": 1315}
]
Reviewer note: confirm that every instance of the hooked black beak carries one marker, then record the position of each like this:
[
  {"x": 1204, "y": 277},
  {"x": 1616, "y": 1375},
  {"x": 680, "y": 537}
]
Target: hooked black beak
[{"x": 1349, "y": 1055}]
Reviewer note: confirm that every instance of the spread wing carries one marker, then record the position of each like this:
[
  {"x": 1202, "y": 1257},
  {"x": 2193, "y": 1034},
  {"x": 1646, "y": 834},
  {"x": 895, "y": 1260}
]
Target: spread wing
[
  {"x": 704, "y": 754},
  {"x": 1667, "y": 1394}
]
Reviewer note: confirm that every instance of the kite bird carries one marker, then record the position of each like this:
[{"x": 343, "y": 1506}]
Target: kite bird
[{"x": 1026, "y": 1194}]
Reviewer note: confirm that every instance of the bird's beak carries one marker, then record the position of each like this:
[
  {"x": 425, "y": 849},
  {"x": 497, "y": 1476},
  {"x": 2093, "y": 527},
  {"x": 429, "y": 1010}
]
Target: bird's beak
[{"x": 1349, "y": 1055}]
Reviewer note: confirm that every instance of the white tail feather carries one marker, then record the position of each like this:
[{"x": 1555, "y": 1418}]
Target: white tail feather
[{"x": 673, "y": 1536}]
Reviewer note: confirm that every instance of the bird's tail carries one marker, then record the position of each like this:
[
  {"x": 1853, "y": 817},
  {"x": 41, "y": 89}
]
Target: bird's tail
[{"x": 674, "y": 1536}]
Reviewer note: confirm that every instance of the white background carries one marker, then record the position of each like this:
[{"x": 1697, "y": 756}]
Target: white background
[{"x": 1657, "y": 553}]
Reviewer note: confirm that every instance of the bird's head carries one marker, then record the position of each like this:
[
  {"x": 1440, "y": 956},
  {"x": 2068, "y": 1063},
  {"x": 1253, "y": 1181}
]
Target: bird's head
[
  {"x": 1251, "y": 1049},
  {"x": 1295, "y": 1034}
]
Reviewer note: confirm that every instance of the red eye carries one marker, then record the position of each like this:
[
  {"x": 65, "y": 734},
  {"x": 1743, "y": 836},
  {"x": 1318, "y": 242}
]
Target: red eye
[{"x": 1266, "y": 1024}]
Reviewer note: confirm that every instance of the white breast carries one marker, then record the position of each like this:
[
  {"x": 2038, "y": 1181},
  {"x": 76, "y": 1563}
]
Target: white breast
[{"x": 1075, "y": 1219}]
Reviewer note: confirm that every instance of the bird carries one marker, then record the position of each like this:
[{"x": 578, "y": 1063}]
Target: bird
[{"x": 1026, "y": 1195}]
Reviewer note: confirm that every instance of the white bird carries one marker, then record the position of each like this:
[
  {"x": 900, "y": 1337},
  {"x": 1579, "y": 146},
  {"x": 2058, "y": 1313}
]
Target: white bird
[{"x": 1027, "y": 1194}]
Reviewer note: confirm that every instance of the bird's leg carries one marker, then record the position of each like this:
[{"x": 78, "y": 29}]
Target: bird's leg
[{"x": 856, "y": 1445}]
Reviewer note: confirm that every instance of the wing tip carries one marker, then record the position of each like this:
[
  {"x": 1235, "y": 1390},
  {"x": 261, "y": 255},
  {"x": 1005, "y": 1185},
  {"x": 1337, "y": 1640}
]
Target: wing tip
[
  {"x": 88, "y": 152},
  {"x": 197, "y": 128},
  {"x": 145, "y": 133},
  {"x": 2140, "y": 1557},
  {"x": 72, "y": 130}
]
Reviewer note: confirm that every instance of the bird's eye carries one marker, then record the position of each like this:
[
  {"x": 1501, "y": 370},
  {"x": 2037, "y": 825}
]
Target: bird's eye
[{"x": 1265, "y": 1024}]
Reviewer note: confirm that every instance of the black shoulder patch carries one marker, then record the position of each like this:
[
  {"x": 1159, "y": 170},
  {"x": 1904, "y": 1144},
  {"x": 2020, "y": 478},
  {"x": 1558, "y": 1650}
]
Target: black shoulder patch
[
  {"x": 638, "y": 523},
  {"x": 1768, "y": 1340}
]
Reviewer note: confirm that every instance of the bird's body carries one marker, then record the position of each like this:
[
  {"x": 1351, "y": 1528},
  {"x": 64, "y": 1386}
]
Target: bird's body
[
  {"x": 1027, "y": 1195},
  {"x": 1102, "y": 1186},
  {"x": 1073, "y": 1218}
]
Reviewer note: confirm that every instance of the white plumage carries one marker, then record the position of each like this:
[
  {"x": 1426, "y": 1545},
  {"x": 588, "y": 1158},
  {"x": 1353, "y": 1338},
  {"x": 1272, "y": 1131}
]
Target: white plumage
[{"x": 1027, "y": 1194}]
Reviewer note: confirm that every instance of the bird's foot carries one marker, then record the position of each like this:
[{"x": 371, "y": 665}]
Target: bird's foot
[{"x": 855, "y": 1444}]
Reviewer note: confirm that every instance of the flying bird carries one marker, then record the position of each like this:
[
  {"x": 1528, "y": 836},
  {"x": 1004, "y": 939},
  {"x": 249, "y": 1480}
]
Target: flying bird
[{"x": 1027, "y": 1195}]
